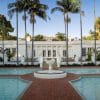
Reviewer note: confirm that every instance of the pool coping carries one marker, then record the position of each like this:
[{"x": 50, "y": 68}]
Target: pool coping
[{"x": 18, "y": 74}]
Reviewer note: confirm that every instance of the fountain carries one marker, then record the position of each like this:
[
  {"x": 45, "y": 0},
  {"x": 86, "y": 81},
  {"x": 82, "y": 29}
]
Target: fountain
[
  {"x": 50, "y": 62},
  {"x": 50, "y": 73}
]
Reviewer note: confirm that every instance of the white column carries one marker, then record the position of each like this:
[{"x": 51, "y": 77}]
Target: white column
[
  {"x": 93, "y": 57},
  {"x": 40, "y": 56},
  {"x": 56, "y": 51},
  {"x": 5, "y": 59},
  {"x": 51, "y": 51},
  {"x": 58, "y": 60},
  {"x": 46, "y": 51}
]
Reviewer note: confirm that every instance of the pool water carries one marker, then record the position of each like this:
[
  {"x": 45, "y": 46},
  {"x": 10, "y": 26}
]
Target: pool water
[
  {"x": 16, "y": 71},
  {"x": 88, "y": 88},
  {"x": 11, "y": 88},
  {"x": 82, "y": 70}
]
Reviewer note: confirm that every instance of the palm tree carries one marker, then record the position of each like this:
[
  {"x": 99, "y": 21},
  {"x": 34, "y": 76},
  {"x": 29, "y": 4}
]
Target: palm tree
[
  {"x": 24, "y": 6},
  {"x": 95, "y": 30},
  {"x": 19, "y": 6},
  {"x": 66, "y": 7},
  {"x": 36, "y": 9},
  {"x": 81, "y": 30},
  {"x": 13, "y": 8}
]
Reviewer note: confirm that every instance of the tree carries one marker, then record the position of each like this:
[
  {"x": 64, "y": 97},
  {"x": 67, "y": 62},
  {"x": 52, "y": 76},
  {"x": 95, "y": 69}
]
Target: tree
[
  {"x": 66, "y": 7},
  {"x": 91, "y": 36},
  {"x": 60, "y": 36},
  {"x": 14, "y": 8},
  {"x": 81, "y": 30},
  {"x": 97, "y": 28},
  {"x": 5, "y": 28},
  {"x": 36, "y": 9},
  {"x": 24, "y": 6},
  {"x": 39, "y": 38}
]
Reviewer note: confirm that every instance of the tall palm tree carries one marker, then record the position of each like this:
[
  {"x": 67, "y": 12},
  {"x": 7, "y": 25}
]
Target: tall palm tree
[
  {"x": 66, "y": 7},
  {"x": 24, "y": 18},
  {"x": 81, "y": 30},
  {"x": 95, "y": 30},
  {"x": 24, "y": 7},
  {"x": 36, "y": 9},
  {"x": 13, "y": 8}
]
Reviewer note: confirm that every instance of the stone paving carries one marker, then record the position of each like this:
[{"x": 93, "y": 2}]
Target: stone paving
[{"x": 51, "y": 89}]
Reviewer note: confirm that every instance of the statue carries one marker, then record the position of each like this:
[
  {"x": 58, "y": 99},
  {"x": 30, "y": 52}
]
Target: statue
[
  {"x": 58, "y": 61},
  {"x": 41, "y": 62}
]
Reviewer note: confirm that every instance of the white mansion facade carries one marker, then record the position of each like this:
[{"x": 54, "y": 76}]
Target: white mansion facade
[{"x": 51, "y": 49}]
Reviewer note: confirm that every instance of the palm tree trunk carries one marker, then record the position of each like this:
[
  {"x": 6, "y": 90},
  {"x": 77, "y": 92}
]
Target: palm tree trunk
[
  {"x": 33, "y": 42},
  {"x": 95, "y": 31},
  {"x": 67, "y": 40},
  {"x": 81, "y": 34},
  {"x": 17, "y": 35},
  {"x": 65, "y": 37},
  {"x": 3, "y": 45},
  {"x": 26, "y": 39},
  {"x": 3, "y": 40}
]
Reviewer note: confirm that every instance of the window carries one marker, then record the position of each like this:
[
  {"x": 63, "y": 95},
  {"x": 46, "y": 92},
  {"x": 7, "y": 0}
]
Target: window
[
  {"x": 44, "y": 53},
  {"x": 83, "y": 51},
  {"x": 64, "y": 53},
  {"x": 54, "y": 53},
  {"x": 34, "y": 53},
  {"x": 89, "y": 49},
  {"x": 49, "y": 53}
]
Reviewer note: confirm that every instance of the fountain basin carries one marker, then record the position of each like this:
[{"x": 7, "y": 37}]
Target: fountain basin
[{"x": 50, "y": 74}]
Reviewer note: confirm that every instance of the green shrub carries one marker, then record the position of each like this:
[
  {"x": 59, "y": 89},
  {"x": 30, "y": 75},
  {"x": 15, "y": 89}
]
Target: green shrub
[
  {"x": 98, "y": 57},
  {"x": 1, "y": 59}
]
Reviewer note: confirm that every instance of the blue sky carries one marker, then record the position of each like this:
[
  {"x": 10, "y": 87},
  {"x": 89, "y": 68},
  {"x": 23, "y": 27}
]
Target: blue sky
[{"x": 56, "y": 24}]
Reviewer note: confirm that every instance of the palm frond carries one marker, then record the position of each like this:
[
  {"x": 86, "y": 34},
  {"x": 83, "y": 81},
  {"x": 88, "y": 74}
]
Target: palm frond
[
  {"x": 11, "y": 5},
  {"x": 57, "y": 9},
  {"x": 66, "y": 6},
  {"x": 11, "y": 12},
  {"x": 38, "y": 9},
  {"x": 42, "y": 15}
]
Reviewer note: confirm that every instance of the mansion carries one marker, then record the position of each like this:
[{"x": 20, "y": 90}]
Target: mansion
[{"x": 50, "y": 49}]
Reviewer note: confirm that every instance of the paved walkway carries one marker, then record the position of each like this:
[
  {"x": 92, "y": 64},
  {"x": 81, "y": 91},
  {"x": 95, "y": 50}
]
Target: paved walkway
[{"x": 50, "y": 89}]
